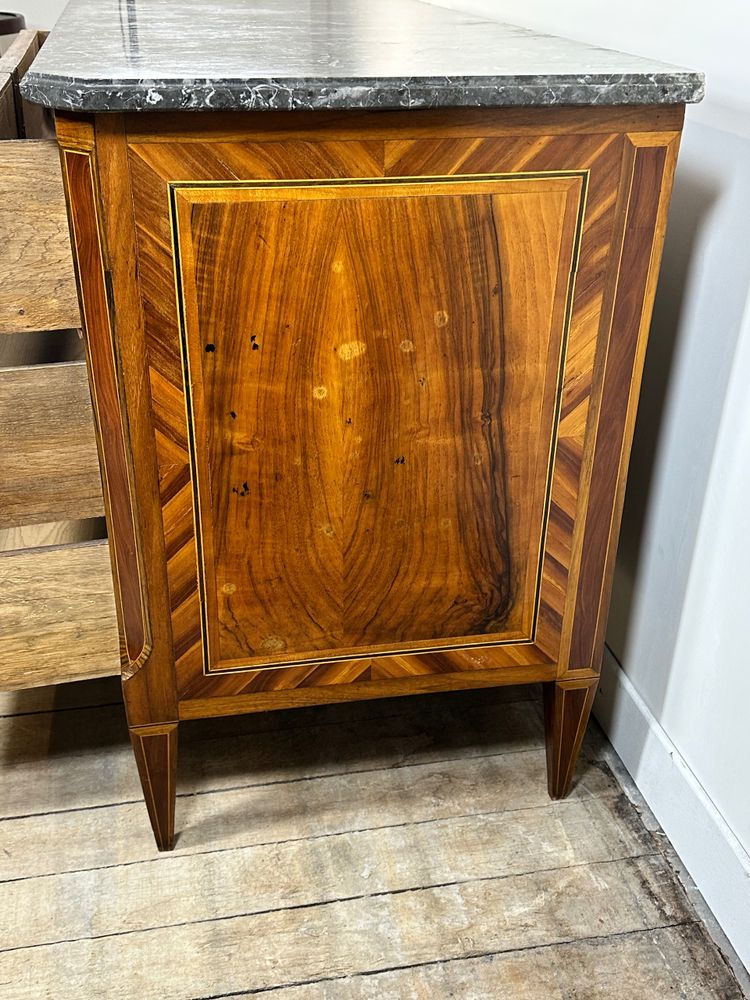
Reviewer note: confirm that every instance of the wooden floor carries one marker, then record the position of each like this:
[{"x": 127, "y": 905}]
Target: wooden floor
[{"x": 395, "y": 849}]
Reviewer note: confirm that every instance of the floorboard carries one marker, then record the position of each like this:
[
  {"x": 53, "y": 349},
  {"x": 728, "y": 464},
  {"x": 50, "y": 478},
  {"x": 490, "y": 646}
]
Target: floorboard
[
  {"x": 643, "y": 965},
  {"x": 394, "y": 849}
]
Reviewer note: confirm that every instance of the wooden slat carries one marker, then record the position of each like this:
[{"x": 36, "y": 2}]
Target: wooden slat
[
  {"x": 43, "y": 348},
  {"x": 46, "y": 701},
  {"x": 37, "y": 285},
  {"x": 8, "y": 128},
  {"x": 49, "y": 468},
  {"x": 32, "y": 121},
  {"x": 57, "y": 615},
  {"x": 34, "y": 536}
]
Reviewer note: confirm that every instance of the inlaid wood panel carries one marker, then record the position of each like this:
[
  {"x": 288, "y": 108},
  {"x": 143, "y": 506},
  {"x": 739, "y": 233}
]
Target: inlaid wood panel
[
  {"x": 354, "y": 415},
  {"x": 155, "y": 749},
  {"x": 213, "y": 227}
]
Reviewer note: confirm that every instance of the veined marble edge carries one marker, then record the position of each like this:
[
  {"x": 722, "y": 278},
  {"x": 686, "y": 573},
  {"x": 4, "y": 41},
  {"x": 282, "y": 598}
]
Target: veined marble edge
[{"x": 75, "y": 94}]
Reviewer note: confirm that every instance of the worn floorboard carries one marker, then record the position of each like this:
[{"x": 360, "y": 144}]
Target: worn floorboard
[
  {"x": 643, "y": 965},
  {"x": 394, "y": 849}
]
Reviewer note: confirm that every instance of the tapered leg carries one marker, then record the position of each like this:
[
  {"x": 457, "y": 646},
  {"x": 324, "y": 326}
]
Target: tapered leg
[
  {"x": 567, "y": 706},
  {"x": 155, "y": 750}
]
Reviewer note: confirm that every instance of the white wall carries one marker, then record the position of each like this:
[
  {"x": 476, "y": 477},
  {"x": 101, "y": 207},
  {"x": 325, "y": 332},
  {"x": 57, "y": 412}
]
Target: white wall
[
  {"x": 677, "y": 712},
  {"x": 711, "y": 37},
  {"x": 40, "y": 14}
]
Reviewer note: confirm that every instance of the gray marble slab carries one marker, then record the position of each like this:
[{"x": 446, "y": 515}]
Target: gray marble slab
[{"x": 140, "y": 55}]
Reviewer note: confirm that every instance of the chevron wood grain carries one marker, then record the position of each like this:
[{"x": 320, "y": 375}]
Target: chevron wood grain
[
  {"x": 599, "y": 155},
  {"x": 390, "y": 366}
]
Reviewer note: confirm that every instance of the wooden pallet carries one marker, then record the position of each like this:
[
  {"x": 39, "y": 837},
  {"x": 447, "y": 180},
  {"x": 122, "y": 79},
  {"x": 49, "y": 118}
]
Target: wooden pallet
[{"x": 57, "y": 614}]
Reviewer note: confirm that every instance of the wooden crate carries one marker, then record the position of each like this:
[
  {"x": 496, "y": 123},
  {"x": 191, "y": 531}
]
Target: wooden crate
[{"x": 57, "y": 614}]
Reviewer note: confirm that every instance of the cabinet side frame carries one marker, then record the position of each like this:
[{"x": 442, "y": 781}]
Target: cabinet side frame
[
  {"x": 125, "y": 445},
  {"x": 649, "y": 166}
]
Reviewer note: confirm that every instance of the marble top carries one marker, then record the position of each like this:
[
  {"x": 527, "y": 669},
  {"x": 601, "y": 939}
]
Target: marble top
[{"x": 140, "y": 55}]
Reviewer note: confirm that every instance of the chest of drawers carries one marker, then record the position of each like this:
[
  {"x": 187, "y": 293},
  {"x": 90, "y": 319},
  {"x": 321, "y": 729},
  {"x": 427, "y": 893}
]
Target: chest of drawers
[{"x": 365, "y": 385}]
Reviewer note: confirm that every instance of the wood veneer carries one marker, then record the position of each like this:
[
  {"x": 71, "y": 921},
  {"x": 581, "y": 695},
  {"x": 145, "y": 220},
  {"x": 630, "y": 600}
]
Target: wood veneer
[{"x": 370, "y": 402}]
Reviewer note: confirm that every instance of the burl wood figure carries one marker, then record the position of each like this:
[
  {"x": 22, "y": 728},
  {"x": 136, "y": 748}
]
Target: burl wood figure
[{"x": 365, "y": 381}]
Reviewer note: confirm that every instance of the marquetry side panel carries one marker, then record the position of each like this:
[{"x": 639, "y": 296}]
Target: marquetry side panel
[{"x": 156, "y": 158}]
